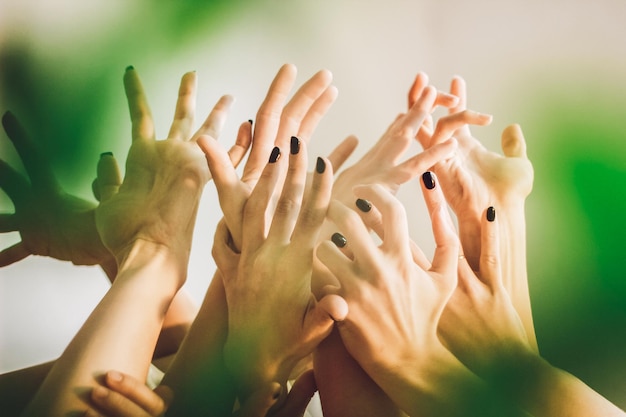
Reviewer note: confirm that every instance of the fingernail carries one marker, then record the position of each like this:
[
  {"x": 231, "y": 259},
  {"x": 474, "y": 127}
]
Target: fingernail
[
  {"x": 491, "y": 214},
  {"x": 106, "y": 153},
  {"x": 339, "y": 240},
  {"x": 114, "y": 376},
  {"x": 363, "y": 205},
  {"x": 320, "y": 166},
  {"x": 295, "y": 145},
  {"x": 100, "y": 392},
  {"x": 130, "y": 67},
  {"x": 275, "y": 155},
  {"x": 429, "y": 180},
  {"x": 250, "y": 121}
]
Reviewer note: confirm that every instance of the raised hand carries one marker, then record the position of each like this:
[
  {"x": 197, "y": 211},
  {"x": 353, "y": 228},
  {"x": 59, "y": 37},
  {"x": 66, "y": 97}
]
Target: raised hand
[
  {"x": 383, "y": 163},
  {"x": 273, "y": 319},
  {"x": 143, "y": 207},
  {"x": 475, "y": 178},
  {"x": 276, "y": 123},
  {"x": 50, "y": 221}
]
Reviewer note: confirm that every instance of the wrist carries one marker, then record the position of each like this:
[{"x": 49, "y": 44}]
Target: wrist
[{"x": 157, "y": 262}]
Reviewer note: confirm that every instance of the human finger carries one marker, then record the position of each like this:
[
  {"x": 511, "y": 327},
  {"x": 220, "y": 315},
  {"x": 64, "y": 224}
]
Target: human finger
[
  {"x": 37, "y": 166},
  {"x": 299, "y": 396},
  {"x": 419, "y": 163},
  {"x": 353, "y": 231},
  {"x": 489, "y": 261},
  {"x": 447, "y": 125},
  {"x": 395, "y": 224},
  {"x": 13, "y": 183},
  {"x": 222, "y": 170},
  {"x": 409, "y": 125},
  {"x": 444, "y": 99},
  {"x": 335, "y": 261},
  {"x": 13, "y": 254},
  {"x": 125, "y": 396},
  {"x": 297, "y": 108},
  {"x": 267, "y": 120},
  {"x": 421, "y": 81},
  {"x": 316, "y": 112},
  {"x": 256, "y": 206},
  {"x": 112, "y": 404},
  {"x": 315, "y": 205},
  {"x": 109, "y": 177},
  {"x": 371, "y": 216},
  {"x": 185, "y": 107},
  {"x": 216, "y": 119},
  {"x": 242, "y": 143},
  {"x": 458, "y": 88},
  {"x": 513, "y": 143},
  {"x": 446, "y": 253},
  {"x": 140, "y": 115},
  {"x": 342, "y": 152},
  {"x": 290, "y": 200}
]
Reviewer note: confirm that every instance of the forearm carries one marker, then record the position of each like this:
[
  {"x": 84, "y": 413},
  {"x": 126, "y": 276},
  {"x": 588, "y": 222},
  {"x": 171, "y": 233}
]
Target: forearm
[
  {"x": 198, "y": 376},
  {"x": 344, "y": 387},
  {"x": 437, "y": 384},
  {"x": 119, "y": 334},
  {"x": 546, "y": 391}
]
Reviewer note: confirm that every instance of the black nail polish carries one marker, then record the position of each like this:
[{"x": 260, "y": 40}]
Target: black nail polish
[
  {"x": 275, "y": 155},
  {"x": 294, "y": 146},
  {"x": 491, "y": 214},
  {"x": 250, "y": 121},
  {"x": 363, "y": 205},
  {"x": 320, "y": 166},
  {"x": 429, "y": 180},
  {"x": 130, "y": 67},
  {"x": 339, "y": 240},
  {"x": 106, "y": 153}
]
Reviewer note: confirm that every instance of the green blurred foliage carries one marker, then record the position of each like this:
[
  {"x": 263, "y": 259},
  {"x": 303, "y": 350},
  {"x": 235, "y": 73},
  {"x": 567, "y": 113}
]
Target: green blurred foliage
[{"x": 67, "y": 98}]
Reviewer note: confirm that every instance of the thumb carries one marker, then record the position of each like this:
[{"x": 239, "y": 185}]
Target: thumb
[
  {"x": 513, "y": 143},
  {"x": 109, "y": 178}
]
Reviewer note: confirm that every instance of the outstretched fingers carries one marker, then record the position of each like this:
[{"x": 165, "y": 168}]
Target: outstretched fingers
[
  {"x": 140, "y": 115},
  {"x": 446, "y": 256},
  {"x": 267, "y": 121},
  {"x": 448, "y": 125},
  {"x": 421, "y": 162},
  {"x": 489, "y": 262},
  {"x": 342, "y": 152},
  {"x": 216, "y": 119},
  {"x": 37, "y": 165},
  {"x": 185, "y": 107}
]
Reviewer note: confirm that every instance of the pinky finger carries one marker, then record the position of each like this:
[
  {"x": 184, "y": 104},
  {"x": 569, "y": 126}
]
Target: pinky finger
[{"x": 13, "y": 254}]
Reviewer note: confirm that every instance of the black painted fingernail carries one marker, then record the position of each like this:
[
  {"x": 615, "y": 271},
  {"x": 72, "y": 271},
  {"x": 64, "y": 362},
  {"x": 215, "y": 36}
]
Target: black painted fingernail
[
  {"x": 294, "y": 146},
  {"x": 106, "y": 153},
  {"x": 491, "y": 214},
  {"x": 429, "y": 180},
  {"x": 339, "y": 240},
  {"x": 130, "y": 67},
  {"x": 250, "y": 121},
  {"x": 275, "y": 155},
  {"x": 320, "y": 166},
  {"x": 363, "y": 205}
]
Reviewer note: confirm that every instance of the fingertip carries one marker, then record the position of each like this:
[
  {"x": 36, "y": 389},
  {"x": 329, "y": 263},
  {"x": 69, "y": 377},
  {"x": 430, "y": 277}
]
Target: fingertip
[
  {"x": 114, "y": 378},
  {"x": 513, "y": 142}
]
